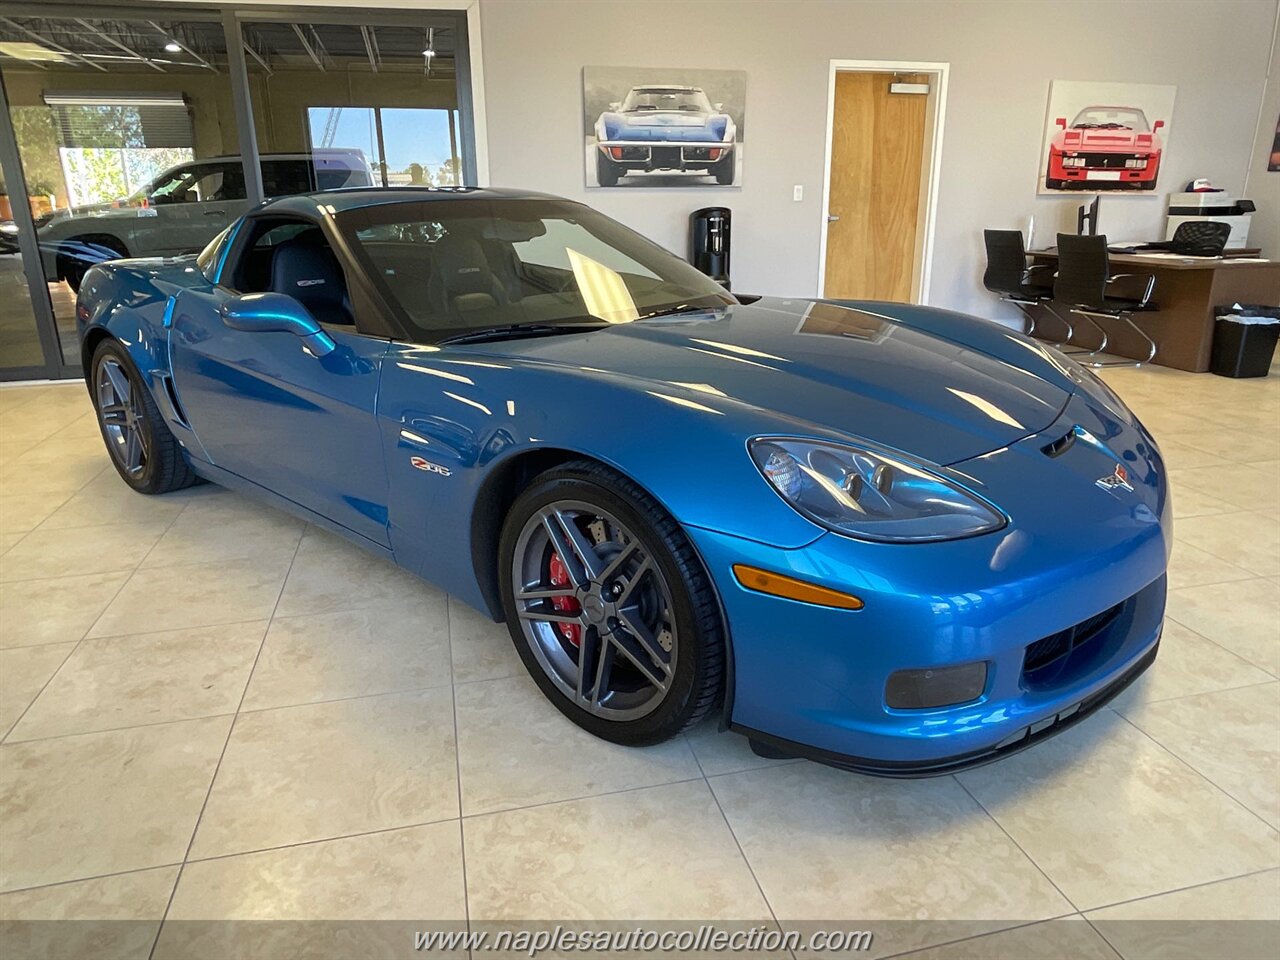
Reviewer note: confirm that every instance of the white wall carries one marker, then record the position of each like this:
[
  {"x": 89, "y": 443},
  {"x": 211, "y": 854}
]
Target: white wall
[
  {"x": 1263, "y": 187},
  {"x": 1002, "y": 54}
]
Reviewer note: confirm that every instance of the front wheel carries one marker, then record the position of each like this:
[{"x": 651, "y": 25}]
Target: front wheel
[
  {"x": 609, "y": 606},
  {"x": 143, "y": 450}
]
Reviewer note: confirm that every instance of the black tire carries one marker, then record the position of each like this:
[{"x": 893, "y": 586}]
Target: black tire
[
  {"x": 72, "y": 266},
  {"x": 607, "y": 172},
  {"x": 697, "y": 681},
  {"x": 165, "y": 467},
  {"x": 724, "y": 171}
]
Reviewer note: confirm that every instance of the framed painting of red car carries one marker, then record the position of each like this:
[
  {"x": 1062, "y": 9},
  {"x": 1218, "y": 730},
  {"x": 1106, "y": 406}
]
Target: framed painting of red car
[{"x": 1105, "y": 137}]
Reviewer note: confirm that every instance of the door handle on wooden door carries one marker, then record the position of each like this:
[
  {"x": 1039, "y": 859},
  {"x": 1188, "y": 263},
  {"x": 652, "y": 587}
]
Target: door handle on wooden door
[{"x": 832, "y": 218}]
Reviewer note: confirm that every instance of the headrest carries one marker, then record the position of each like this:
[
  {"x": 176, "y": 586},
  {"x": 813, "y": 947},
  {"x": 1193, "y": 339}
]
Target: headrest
[
  {"x": 305, "y": 268},
  {"x": 462, "y": 265}
]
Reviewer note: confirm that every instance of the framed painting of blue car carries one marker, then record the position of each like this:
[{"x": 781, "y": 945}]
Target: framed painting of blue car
[{"x": 660, "y": 127}]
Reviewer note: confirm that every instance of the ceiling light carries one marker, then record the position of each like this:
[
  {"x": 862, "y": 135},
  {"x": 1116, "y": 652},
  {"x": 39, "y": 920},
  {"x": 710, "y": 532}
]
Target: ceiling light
[
  {"x": 21, "y": 50},
  {"x": 173, "y": 47}
]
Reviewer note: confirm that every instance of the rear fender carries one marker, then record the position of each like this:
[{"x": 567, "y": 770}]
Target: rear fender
[{"x": 133, "y": 302}]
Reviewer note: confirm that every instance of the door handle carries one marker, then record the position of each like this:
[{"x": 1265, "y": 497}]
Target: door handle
[
  {"x": 832, "y": 218},
  {"x": 215, "y": 213}
]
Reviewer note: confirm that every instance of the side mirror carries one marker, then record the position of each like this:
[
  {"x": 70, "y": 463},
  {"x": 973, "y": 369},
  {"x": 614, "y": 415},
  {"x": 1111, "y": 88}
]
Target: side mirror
[
  {"x": 1157, "y": 125},
  {"x": 614, "y": 105},
  {"x": 1062, "y": 122},
  {"x": 277, "y": 313},
  {"x": 719, "y": 107}
]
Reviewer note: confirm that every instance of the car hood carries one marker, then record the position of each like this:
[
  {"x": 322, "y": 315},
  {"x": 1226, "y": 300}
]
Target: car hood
[
  {"x": 817, "y": 368},
  {"x": 1104, "y": 141}
]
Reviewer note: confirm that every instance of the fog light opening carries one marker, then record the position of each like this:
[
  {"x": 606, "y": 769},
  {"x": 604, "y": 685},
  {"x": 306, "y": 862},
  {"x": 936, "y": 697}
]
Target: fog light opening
[{"x": 935, "y": 686}]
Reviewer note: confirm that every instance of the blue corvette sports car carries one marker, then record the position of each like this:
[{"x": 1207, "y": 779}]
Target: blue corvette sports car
[
  {"x": 893, "y": 538},
  {"x": 665, "y": 128}
]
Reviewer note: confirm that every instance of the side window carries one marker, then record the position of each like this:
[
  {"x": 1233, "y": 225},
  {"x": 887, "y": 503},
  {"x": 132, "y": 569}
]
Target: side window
[
  {"x": 295, "y": 259},
  {"x": 284, "y": 177},
  {"x": 175, "y": 188},
  {"x": 222, "y": 182}
]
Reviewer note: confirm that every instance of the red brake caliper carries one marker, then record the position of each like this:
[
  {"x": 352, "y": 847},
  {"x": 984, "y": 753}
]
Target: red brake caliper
[{"x": 560, "y": 578}]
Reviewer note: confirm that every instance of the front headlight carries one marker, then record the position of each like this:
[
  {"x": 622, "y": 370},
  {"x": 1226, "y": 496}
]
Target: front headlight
[{"x": 870, "y": 495}]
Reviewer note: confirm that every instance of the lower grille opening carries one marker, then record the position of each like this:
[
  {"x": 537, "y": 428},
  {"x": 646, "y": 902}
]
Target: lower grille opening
[{"x": 1045, "y": 656}]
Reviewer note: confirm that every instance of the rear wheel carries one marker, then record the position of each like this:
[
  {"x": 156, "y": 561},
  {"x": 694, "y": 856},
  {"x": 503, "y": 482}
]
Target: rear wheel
[
  {"x": 609, "y": 607},
  {"x": 607, "y": 172},
  {"x": 143, "y": 450},
  {"x": 724, "y": 170}
]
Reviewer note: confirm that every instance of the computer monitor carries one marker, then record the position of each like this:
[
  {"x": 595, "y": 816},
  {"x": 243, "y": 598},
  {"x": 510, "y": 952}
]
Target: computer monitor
[{"x": 1087, "y": 215}]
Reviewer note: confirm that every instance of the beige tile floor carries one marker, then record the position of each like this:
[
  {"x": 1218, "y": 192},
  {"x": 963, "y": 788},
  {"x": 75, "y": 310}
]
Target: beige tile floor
[{"x": 211, "y": 711}]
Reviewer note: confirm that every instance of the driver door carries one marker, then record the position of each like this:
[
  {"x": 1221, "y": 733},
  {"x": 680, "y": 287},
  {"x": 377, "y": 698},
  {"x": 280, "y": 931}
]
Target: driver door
[{"x": 265, "y": 409}]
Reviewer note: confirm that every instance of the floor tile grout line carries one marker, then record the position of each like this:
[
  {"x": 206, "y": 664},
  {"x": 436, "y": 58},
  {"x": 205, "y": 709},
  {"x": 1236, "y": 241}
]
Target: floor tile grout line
[
  {"x": 213, "y": 779},
  {"x": 1199, "y": 693},
  {"x": 1199, "y": 773},
  {"x": 1252, "y": 663},
  {"x": 736, "y": 842},
  {"x": 96, "y": 876},
  {"x": 577, "y": 799},
  {"x": 1030, "y": 859},
  {"x": 1021, "y": 925},
  {"x": 1182, "y": 889},
  {"x": 457, "y": 767},
  {"x": 72, "y": 652},
  {"x": 1105, "y": 939},
  {"x": 73, "y": 493}
]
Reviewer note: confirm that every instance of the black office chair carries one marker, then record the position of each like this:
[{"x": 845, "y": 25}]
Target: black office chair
[
  {"x": 1010, "y": 278},
  {"x": 1200, "y": 238},
  {"x": 1085, "y": 283}
]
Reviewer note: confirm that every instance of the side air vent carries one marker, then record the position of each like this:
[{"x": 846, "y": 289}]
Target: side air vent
[
  {"x": 1061, "y": 445},
  {"x": 172, "y": 394}
]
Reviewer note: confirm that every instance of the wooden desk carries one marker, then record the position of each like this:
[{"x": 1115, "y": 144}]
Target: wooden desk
[{"x": 1188, "y": 292}]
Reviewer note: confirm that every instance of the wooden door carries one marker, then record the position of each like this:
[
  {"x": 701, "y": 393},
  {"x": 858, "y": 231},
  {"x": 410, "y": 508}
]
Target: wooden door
[{"x": 877, "y": 152}]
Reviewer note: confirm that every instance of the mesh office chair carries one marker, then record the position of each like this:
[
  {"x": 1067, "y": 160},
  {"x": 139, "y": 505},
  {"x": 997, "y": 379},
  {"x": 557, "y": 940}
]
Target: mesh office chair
[
  {"x": 1009, "y": 277},
  {"x": 1084, "y": 282},
  {"x": 1200, "y": 238}
]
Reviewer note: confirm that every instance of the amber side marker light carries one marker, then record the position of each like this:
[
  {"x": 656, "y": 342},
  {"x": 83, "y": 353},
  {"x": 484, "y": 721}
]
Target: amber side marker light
[{"x": 777, "y": 585}]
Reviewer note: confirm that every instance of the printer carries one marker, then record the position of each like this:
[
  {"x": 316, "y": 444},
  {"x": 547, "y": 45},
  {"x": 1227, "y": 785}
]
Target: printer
[{"x": 1215, "y": 205}]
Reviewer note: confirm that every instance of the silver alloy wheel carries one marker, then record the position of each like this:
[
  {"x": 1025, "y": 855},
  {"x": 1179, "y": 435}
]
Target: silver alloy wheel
[
  {"x": 122, "y": 420},
  {"x": 622, "y": 664}
]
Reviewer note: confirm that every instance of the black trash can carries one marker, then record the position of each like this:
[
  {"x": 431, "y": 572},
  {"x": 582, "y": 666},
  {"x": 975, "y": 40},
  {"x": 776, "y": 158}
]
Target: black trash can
[
  {"x": 709, "y": 242},
  {"x": 1244, "y": 340}
]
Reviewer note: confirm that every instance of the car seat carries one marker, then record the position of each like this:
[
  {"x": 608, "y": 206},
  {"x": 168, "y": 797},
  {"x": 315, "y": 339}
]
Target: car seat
[
  {"x": 463, "y": 276},
  {"x": 306, "y": 269}
]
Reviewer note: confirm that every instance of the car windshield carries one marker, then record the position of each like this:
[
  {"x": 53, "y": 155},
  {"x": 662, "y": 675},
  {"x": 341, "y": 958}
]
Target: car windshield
[
  {"x": 1111, "y": 118},
  {"x": 679, "y": 99},
  {"x": 450, "y": 266}
]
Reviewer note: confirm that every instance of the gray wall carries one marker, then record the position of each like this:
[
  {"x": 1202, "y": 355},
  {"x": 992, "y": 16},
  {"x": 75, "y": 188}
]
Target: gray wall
[
  {"x": 1002, "y": 56},
  {"x": 1264, "y": 185}
]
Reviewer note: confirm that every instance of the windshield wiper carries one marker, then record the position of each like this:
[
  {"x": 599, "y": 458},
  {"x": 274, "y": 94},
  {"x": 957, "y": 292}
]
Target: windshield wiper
[
  {"x": 513, "y": 331},
  {"x": 674, "y": 311}
]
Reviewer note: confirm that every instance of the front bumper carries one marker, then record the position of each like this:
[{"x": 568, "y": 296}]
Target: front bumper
[{"x": 811, "y": 680}]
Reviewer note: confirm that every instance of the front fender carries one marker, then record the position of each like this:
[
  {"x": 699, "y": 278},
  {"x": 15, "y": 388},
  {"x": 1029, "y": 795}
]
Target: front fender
[{"x": 467, "y": 418}]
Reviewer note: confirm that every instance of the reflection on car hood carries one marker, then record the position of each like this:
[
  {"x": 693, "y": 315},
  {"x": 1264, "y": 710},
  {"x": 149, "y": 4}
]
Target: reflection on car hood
[{"x": 823, "y": 368}]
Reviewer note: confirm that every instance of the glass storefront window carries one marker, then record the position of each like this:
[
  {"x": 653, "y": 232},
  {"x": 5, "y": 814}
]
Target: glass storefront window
[
  {"x": 362, "y": 105},
  {"x": 126, "y": 129},
  {"x": 127, "y": 137}
]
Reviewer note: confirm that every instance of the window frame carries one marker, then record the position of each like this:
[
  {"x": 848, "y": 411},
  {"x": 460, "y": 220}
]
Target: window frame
[{"x": 369, "y": 314}]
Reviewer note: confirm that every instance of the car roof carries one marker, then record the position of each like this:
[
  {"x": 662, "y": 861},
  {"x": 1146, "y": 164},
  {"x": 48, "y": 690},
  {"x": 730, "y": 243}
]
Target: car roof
[
  {"x": 668, "y": 86},
  {"x": 351, "y": 198}
]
